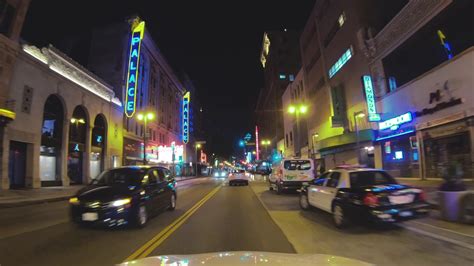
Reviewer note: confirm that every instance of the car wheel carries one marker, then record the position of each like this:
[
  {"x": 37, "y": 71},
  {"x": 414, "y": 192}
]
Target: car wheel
[
  {"x": 467, "y": 209},
  {"x": 141, "y": 217},
  {"x": 339, "y": 217},
  {"x": 247, "y": 183},
  {"x": 270, "y": 187},
  {"x": 172, "y": 202},
  {"x": 231, "y": 184},
  {"x": 304, "y": 203}
]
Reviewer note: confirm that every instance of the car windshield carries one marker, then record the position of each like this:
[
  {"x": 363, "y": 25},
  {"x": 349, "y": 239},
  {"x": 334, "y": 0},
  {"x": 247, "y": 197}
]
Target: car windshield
[
  {"x": 370, "y": 178},
  {"x": 297, "y": 165},
  {"x": 121, "y": 176}
]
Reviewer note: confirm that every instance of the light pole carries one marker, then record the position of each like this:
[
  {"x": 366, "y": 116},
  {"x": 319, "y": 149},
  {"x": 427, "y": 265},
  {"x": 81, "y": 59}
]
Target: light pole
[
  {"x": 297, "y": 110},
  {"x": 315, "y": 135},
  {"x": 145, "y": 117},
  {"x": 197, "y": 146},
  {"x": 358, "y": 115},
  {"x": 265, "y": 143}
]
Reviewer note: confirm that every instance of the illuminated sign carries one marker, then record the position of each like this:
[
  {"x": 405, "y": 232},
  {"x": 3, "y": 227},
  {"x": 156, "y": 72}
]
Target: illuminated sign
[
  {"x": 133, "y": 61},
  {"x": 186, "y": 100},
  {"x": 167, "y": 154},
  {"x": 445, "y": 44},
  {"x": 256, "y": 143},
  {"x": 99, "y": 139},
  {"x": 370, "y": 98},
  {"x": 395, "y": 122}
]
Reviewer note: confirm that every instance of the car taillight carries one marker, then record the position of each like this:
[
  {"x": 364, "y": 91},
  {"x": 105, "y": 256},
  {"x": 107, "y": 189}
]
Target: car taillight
[
  {"x": 371, "y": 200},
  {"x": 422, "y": 195}
]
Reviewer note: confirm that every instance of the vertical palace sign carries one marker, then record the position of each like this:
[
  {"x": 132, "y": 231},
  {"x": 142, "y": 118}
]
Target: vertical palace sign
[
  {"x": 133, "y": 60},
  {"x": 186, "y": 100}
]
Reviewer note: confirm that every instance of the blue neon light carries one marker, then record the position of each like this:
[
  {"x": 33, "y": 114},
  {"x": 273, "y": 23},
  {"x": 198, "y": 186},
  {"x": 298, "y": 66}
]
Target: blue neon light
[
  {"x": 76, "y": 147},
  {"x": 132, "y": 77},
  {"x": 394, "y": 123},
  {"x": 370, "y": 98},
  {"x": 186, "y": 100},
  {"x": 396, "y": 135},
  {"x": 340, "y": 62},
  {"x": 99, "y": 139}
]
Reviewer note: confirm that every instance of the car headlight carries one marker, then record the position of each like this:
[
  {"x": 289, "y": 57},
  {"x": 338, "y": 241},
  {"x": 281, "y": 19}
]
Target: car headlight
[
  {"x": 74, "y": 201},
  {"x": 216, "y": 174},
  {"x": 121, "y": 202},
  {"x": 223, "y": 174}
]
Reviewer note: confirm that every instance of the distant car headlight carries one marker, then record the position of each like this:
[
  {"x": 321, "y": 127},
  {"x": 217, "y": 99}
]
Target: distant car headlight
[
  {"x": 216, "y": 174},
  {"x": 120, "y": 202},
  {"x": 223, "y": 174},
  {"x": 74, "y": 201}
]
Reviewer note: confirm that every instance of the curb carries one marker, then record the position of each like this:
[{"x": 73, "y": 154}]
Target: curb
[{"x": 32, "y": 202}]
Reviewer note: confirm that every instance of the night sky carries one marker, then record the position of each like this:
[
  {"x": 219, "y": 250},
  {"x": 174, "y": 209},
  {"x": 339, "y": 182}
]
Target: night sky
[{"x": 217, "y": 43}]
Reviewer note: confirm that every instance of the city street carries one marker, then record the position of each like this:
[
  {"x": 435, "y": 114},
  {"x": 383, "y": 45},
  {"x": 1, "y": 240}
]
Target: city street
[{"x": 210, "y": 217}]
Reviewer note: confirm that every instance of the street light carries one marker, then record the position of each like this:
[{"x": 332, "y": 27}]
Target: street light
[
  {"x": 297, "y": 110},
  {"x": 197, "y": 146},
  {"x": 358, "y": 115},
  {"x": 145, "y": 117}
]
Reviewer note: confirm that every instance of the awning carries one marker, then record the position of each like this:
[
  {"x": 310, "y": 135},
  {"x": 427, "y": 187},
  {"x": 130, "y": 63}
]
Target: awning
[{"x": 346, "y": 139}]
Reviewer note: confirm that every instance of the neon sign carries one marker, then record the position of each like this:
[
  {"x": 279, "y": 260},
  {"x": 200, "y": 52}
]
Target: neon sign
[
  {"x": 445, "y": 44},
  {"x": 133, "y": 61},
  {"x": 394, "y": 123},
  {"x": 370, "y": 98},
  {"x": 186, "y": 100}
]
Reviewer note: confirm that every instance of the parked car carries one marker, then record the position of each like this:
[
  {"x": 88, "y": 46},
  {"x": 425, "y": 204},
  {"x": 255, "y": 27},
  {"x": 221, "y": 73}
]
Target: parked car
[
  {"x": 239, "y": 177},
  {"x": 363, "y": 194},
  {"x": 125, "y": 195},
  {"x": 290, "y": 174}
]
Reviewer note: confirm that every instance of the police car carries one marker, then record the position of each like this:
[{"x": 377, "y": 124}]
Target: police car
[{"x": 353, "y": 193}]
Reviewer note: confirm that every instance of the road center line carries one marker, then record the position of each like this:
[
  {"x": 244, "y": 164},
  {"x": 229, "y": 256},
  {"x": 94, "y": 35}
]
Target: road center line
[{"x": 152, "y": 244}]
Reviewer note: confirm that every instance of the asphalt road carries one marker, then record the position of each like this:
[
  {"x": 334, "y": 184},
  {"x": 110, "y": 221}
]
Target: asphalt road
[
  {"x": 233, "y": 219},
  {"x": 212, "y": 217}
]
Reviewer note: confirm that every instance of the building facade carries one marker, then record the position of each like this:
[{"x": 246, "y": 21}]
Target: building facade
[
  {"x": 294, "y": 122},
  {"x": 158, "y": 91},
  {"x": 12, "y": 16},
  {"x": 280, "y": 61},
  {"x": 68, "y": 125},
  {"x": 333, "y": 63},
  {"x": 422, "y": 67}
]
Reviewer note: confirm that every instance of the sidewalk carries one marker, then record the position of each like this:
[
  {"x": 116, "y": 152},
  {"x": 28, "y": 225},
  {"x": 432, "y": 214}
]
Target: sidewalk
[
  {"x": 21, "y": 197},
  {"x": 430, "y": 187},
  {"x": 433, "y": 226}
]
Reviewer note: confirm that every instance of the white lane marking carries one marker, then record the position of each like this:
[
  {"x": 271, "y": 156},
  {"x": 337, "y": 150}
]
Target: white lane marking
[
  {"x": 453, "y": 241},
  {"x": 448, "y": 230}
]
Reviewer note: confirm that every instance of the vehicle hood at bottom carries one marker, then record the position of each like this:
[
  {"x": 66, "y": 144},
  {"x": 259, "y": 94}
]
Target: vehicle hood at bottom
[{"x": 238, "y": 258}]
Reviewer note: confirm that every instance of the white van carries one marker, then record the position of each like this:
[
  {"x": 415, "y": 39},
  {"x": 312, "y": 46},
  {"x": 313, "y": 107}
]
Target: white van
[{"x": 290, "y": 174}]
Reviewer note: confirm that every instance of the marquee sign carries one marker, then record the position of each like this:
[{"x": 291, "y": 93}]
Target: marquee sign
[
  {"x": 394, "y": 123},
  {"x": 370, "y": 98},
  {"x": 133, "y": 61},
  {"x": 186, "y": 100}
]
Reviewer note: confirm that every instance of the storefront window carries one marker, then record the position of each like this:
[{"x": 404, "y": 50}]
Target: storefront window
[
  {"x": 440, "y": 152},
  {"x": 400, "y": 156}
]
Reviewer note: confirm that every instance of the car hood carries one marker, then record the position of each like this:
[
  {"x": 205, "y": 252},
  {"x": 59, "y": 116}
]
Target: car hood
[
  {"x": 238, "y": 258},
  {"x": 94, "y": 192}
]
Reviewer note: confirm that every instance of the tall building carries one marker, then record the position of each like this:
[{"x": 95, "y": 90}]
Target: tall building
[
  {"x": 295, "y": 106},
  {"x": 334, "y": 62},
  {"x": 421, "y": 64},
  {"x": 155, "y": 88},
  {"x": 12, "y": 16},
  {"x": 280, "y": 61}
]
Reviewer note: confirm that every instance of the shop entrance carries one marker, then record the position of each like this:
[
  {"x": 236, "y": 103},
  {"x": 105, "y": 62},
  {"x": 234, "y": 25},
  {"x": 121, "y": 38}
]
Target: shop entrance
[
  {"x": 77, "y": 138},
  {"x": 17, "y": 164},
  {"x": 51, "y": 142},
  {"x": 98, "y": 141}
]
